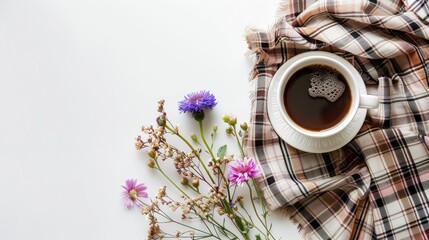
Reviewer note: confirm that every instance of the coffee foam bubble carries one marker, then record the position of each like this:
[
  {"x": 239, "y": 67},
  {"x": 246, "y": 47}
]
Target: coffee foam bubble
[{"x": 325, "y": 83}]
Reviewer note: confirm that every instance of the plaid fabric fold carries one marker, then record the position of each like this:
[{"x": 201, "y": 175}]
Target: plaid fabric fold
[{"x": 377, "y": 186}]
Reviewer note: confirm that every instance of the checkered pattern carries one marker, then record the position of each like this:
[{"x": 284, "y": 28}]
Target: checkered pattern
[{"x": 377, "y": 186}]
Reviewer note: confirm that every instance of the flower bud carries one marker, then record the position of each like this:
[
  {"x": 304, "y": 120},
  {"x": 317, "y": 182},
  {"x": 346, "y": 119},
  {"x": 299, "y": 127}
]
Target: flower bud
[
  {"x": 161, "y": 105},
  {"x": 215, "y": 128},
  {"x": 244, "y": 126},
  {"x": 184, "y": 181},
  {"x": 229, "y": 130},
  {"x": 199, "y": 116},
  {"x": 151, "y": 163},
  {"x": 194, "y": 138},
  {"x": 161, "y": 120},
  {"x": 225, "y": 118},
  {"x": 151, "y": 153},
  {"x": 233, "y": 121},
  {"x": 196, "y": 183},
  {"x": 138, "y": 143}
]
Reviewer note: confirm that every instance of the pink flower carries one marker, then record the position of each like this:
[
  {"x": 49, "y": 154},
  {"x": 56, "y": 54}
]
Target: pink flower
[
  {"x": 133, "y": 193},
  {"x": 243, "y": 171}
]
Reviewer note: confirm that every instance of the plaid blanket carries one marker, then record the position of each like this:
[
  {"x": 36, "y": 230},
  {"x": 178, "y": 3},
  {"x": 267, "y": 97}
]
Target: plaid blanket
[{"x": 376, "y": 186}]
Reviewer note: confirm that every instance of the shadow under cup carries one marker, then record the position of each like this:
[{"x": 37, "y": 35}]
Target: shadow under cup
[{"x": 317, "y": 116}]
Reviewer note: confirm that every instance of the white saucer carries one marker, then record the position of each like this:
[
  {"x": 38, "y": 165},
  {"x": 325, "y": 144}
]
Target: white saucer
[{"x": 302, "y": 142}]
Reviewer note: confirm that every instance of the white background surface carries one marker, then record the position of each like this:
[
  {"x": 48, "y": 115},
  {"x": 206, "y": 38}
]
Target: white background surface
[{"x": 78, "y": 78}]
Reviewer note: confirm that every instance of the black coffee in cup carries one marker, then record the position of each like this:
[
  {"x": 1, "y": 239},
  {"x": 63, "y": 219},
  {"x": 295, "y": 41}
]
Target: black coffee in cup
[{"x": 317, "y": 97}]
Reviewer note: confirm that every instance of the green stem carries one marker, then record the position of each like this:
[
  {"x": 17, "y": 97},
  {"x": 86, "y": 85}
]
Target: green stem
[
  {"x": 260, "y": 197},
  {"x": 165, "y": 215},
  {"x": 250, "y": 218},
  {"x": 218, "y": 225},
  {"x": 237, "y": 221},
  {"x": 261, "y": 202},
  {"x": 257, "y": 214},
  {"x": 193, "y": 150},
  {"x": 240, "y": 146},
  {"x": 169, "y": 179},
  {"x": 200, "y": 123}
]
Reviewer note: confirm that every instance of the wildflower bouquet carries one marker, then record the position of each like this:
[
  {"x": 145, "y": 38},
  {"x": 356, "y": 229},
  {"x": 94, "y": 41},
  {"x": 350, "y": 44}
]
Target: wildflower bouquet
[{"x": 209, "y": 180}]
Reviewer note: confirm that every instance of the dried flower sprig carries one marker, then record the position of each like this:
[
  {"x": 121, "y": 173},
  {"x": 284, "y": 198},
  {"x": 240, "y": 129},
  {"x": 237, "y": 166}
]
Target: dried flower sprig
[{"x": 207, "y": 179}]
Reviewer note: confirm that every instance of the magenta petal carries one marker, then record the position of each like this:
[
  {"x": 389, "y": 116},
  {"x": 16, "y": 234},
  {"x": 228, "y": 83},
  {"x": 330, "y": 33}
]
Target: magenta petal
[
  {"x": 242, "y": 171},
  {"x": 140, "y": 187},
  {"x": 142, "y": 194},
  {"x": 128, "y": 184},
  {"x": 131, "y": 184},
  {"x": 128, "y": 203}
]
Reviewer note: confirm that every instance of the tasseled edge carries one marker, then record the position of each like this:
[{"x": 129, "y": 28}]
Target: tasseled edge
[
  {"x": 255, "y": 38},
  {"x": 288, "y": 212}
]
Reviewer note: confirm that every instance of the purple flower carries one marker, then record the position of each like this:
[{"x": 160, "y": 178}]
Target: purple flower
[
  {"x": 243, "y": 171},
  {"x": 197, "y": 102},
  {"x": 133, "y": 192}
]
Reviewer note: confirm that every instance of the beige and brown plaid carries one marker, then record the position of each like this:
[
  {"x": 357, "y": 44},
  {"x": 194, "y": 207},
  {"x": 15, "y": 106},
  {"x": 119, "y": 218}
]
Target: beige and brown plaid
[{"x": 377, "y": 186}]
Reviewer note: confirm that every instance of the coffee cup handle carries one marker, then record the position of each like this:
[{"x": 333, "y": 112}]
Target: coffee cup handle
[{"x": 368, "y": 101}]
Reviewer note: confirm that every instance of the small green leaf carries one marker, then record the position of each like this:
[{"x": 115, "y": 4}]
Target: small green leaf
[
  {"x": 221, "y": 152},
  {"x": 258, "y": 237},
  {"x": 265, "y": 214}
]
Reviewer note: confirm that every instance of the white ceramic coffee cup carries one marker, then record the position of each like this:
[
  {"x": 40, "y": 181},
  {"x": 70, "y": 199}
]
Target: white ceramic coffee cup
[{"x": 359, "y": 99}]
